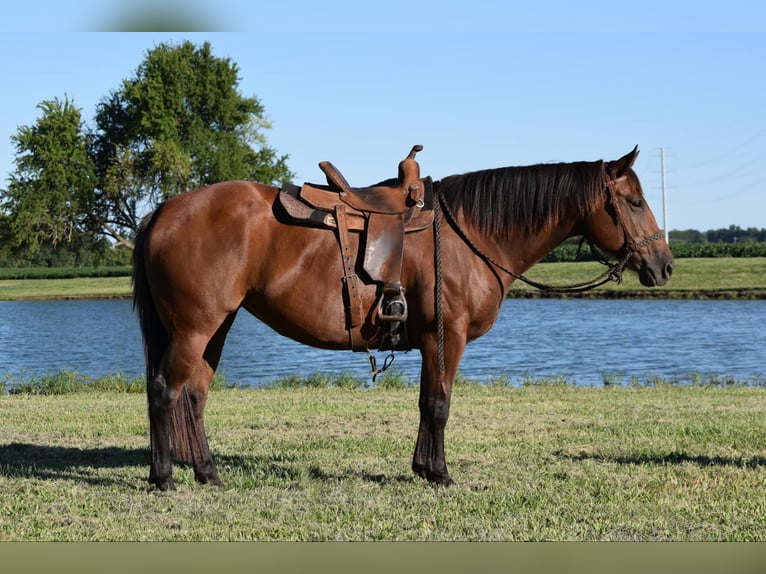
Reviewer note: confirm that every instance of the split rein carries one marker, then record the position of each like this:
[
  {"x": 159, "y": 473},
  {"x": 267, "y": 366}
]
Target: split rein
[{"x": 614, "y": 270}]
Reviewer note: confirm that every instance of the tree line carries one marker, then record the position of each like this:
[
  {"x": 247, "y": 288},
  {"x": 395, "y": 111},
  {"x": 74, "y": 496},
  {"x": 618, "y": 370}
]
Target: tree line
[{"x": 79, "y": 189}]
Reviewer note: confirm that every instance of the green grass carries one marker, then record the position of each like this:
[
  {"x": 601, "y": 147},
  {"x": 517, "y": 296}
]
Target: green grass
[
  {"x": 70, "y": 288},
  {"x": 301, "y": 462},
  {"x": 700, "y": 276},
  {"x": 726, "y": 276}
]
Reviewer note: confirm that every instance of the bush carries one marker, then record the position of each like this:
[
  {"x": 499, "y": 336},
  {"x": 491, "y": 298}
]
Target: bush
[
  {"x": 64, "y": 272},
  {"x": 568, "y": 251}
]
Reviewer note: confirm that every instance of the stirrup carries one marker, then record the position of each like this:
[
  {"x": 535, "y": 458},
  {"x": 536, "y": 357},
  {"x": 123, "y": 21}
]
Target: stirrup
[{"x": 395, "y": 308}]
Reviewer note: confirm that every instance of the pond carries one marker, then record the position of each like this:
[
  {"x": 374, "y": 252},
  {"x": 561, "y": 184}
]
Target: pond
[{"x": 581, "y": 340}]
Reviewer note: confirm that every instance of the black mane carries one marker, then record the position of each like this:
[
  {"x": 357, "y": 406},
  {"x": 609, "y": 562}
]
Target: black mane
[{"x": 531, "y": 198}]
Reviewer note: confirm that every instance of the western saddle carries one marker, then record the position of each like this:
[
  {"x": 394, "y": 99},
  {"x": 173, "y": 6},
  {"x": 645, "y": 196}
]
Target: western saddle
[{"x": 382, "y": 214}]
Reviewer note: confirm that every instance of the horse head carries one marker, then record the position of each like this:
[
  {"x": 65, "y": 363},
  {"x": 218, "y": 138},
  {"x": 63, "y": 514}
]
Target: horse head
[{"x": 624, "y": 224}]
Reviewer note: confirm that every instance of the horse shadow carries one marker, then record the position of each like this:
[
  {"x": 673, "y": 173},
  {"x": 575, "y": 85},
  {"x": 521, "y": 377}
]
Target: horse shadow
[
  {"x": 55, "y": 462},
  {"x": 671, "y": 458}
]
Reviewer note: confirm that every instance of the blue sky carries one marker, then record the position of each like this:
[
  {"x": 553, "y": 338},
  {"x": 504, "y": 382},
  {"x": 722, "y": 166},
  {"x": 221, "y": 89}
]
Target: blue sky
[{"x": 479, "y": 85}]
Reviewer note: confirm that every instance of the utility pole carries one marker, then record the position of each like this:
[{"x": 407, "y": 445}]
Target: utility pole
[{"x": 664, "y": 197}]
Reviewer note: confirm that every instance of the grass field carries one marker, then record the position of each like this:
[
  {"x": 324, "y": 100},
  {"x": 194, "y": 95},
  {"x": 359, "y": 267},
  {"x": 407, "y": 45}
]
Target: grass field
[
  {"x": 71, "y": 288},
  {"x": 720, "y": 277},
  {"x": 544, "y": 462},
  {"x": 740, "y": 277}
]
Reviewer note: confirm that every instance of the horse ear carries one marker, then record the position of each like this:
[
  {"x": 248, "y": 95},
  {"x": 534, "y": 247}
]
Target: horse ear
[{"x": 621, "y": 166}]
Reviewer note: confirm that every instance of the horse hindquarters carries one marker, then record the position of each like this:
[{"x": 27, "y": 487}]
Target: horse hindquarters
[{"x": 175, "y": 413}]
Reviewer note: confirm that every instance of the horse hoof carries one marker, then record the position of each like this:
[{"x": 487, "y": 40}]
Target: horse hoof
[
  {"x": 163, "y": 485},
  {"x": 208, "y": 479},
  {"x": 442, "y": 479}
]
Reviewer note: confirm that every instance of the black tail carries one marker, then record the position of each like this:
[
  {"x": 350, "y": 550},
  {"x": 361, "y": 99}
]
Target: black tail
[
  {"x": 156, "y": 341},
  {"x": 153, "y": 331}
]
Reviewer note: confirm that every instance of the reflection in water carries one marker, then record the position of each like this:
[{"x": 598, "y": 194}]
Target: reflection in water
[{"x": 577, "y": 339}]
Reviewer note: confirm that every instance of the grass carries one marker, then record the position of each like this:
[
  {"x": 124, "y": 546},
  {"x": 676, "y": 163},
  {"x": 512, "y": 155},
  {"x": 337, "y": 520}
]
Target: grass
[
  {"x": 719, "y": 277},
  {"x": 69, "y": 288},
  {"x": 699, "y": 277},
  {"x": 539, "y": 461}
]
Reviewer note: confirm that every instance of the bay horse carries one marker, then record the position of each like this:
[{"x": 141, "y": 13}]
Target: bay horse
[{"x": 203, "y": 255}]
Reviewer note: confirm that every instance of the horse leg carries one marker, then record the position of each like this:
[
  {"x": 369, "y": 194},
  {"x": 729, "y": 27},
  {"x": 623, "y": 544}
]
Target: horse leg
[
  {"x": 435, "y": 393},
  {"x": 158, "y": 397},
  {"x": 163, "y": 392},
  {"x": 204, "y": 467}
]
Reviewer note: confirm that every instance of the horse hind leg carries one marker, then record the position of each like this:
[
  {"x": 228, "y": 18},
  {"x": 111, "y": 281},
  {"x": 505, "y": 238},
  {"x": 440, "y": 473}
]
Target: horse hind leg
[
  {"x": 160, "y": 396},
  {"x": 192, "y": 430},
  {"x": 166, "y": 407}
]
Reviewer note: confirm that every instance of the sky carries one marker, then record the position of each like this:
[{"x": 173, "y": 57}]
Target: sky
[{"x": 479, "y": 84}]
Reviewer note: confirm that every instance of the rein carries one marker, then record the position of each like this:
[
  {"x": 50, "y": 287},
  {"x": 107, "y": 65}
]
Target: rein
[{"x": 613, "y": 273}]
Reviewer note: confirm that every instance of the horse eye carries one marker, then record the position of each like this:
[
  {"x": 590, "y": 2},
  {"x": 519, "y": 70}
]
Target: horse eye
[{"x": 636, "y": 203}]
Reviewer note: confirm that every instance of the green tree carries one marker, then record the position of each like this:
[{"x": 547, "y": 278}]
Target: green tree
[
  {"x": 51, "y": 192},
  {"x": 177, "y": 124}
]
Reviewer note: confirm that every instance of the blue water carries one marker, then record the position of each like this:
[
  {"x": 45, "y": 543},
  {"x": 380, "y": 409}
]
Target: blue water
[{"x": 581, "y": 340}]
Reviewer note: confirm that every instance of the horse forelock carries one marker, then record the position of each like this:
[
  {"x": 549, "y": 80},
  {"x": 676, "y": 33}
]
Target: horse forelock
[{"x": 529, "y": 198}]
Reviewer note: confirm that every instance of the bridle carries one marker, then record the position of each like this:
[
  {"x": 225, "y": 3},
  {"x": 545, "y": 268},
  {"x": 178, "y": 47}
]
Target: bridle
[
  {"x": 630, "y": 246},
  {"x": 614, "y": 270}
]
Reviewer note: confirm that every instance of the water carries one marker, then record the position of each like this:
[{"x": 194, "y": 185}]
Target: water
[{"x": 580, "y": 340}]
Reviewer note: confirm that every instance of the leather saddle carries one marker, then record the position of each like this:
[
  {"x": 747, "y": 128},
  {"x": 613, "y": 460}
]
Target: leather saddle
[{"x": 382, "y": 214}]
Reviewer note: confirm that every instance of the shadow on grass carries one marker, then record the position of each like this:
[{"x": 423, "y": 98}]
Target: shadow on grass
[
  {"x": 24, "y": 460},
  {"x": 671, "y": 458}
]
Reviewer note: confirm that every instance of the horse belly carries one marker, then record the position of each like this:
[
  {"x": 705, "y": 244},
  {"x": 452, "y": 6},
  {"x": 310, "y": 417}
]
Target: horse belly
[{"x": 297, "y": 287}]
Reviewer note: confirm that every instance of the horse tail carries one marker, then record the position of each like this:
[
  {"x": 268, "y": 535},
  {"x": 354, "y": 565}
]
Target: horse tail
[{"x": 156, "y": 340}]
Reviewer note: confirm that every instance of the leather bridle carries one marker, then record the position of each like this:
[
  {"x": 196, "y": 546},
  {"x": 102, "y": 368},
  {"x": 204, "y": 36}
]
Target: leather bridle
[{"x": 631, "y": 245}]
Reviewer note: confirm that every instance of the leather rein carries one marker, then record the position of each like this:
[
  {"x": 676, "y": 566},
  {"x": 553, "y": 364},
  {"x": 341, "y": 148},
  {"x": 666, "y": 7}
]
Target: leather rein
[{"x": 614, "y": 270}]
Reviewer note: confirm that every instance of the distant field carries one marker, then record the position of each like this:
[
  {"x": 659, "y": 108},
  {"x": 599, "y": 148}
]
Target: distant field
[
  {"x": 71, "y": 288},
  {"x": 730, "y": 277}
]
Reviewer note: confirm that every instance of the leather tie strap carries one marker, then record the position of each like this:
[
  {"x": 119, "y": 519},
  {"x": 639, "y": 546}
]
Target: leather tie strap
[{"x": 350, "y": 280}]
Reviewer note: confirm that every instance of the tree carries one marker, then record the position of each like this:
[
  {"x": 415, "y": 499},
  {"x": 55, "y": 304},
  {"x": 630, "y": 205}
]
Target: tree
[
  {"x": 51, "y": 192},
  {"x": 177, "y": 124}
]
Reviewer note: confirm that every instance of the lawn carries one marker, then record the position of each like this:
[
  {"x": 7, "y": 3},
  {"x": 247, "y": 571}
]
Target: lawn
[{"x": 540, "y": 462}]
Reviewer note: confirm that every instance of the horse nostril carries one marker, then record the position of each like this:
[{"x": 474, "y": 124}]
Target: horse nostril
[{"x": 669, "y": 266}]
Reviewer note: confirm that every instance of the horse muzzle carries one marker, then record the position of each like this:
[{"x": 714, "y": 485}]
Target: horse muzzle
[{"x": 655, "y": 274}]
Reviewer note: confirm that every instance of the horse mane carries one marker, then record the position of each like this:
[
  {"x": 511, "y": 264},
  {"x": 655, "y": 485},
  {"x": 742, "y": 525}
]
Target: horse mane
[{"x": 529, "y": 198}]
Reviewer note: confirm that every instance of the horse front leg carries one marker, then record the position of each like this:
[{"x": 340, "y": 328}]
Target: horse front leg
[{"x": 435, "y": 394}]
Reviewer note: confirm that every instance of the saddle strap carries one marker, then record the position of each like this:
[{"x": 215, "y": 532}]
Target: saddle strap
[{"x": 350, "y": 280}]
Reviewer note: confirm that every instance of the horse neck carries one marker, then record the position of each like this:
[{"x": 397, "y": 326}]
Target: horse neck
[
  {"x": 522, "y": 250},
  {"x": 505, "y": 208}
]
